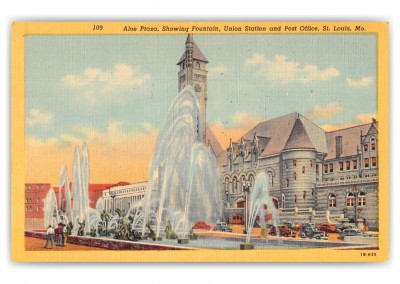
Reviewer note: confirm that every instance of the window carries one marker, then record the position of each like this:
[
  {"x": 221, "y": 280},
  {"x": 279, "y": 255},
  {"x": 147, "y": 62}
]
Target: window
[
  {"x": 350, "y": 199},
  {"x": 316, "y": 168},
  {"x": 304, "y": 194},
  {"x": 312, "y": 191},
  {"x": 294, "y": 176},
  {"x": 37, "y": 208},
  {"x": 287, "y": 182},
  {"x": 286, "y": 166},
  {"x": 303, "y": 169},
  {"x": 227, "y": 185},
  {"x": 365, "y": 147},
  {"x": 283, "y": 200},
  {"x": 332, "y": 201},
  {"x": 197, "y": 65},
  {"x": 373, "y": 146},
  {"x": 354, "y": 164},
  {"x": 295, "y": 198},
  {"x": 373, "y": 161},
  {"x": 366, "y": 162},
  {"x": 311, "y": 163},
  {"x": 347, "y": 165},
  {"x": 341, "y": 166},
  {"x": 325, "y": 168},
  {"x": 361, "y": 199},
  {"x": 331, "y": 168},
  {"x": 294, "y": 163},
  {"x": 234, "y": 185},
  {"x": 26, "y": 208}
]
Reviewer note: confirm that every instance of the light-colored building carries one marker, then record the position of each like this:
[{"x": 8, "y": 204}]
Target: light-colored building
[{"x": 123, "y": 196}]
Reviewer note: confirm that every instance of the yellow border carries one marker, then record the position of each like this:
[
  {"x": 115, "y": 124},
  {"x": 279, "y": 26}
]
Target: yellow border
[{"x": 20, "y": 29}]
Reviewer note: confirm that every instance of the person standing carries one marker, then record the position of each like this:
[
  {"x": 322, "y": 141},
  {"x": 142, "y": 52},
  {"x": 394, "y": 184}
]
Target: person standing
[
  {"x": 50, "y": 236},
  {"x": 59, "y": 233}
]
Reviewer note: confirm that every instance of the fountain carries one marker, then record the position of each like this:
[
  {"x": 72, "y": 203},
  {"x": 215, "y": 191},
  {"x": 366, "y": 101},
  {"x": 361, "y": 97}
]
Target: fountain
[
  {"x": 183, "y": 174},
  {"x": 258, "y": 199}
]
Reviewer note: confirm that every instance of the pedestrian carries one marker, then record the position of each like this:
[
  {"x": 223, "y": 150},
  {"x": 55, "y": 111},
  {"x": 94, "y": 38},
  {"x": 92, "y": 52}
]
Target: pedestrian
[
  {"x": 364, "y": 228},
  {"x": 64, "y": 234},
  {"x": 59, "y": 233},
  {"x": 50, "y": 236}
]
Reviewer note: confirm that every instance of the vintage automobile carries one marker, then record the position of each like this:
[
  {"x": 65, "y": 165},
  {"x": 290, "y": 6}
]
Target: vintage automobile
[
  {"x": 350, "y": 232},
  {"x": 201, "y": 225},
  {"x": 326, "y": 227},
  {"x": 222, "y": 227},
  {"x": 312, "y": 232},
  {"x": 343, "y": 227},
  {"x": 284, "y": 231}
]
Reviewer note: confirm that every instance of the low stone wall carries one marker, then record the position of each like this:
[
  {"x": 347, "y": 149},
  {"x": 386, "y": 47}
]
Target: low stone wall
[
  {"x": 108, "y": 243},
  {"x": 362, "y": 240}
]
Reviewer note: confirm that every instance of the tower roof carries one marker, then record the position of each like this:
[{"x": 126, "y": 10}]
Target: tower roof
[{"x": 197, "y": 54}]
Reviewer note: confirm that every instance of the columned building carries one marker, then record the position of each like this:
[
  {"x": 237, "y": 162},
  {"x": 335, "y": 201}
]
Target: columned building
[{"x": 123, "y": 196}]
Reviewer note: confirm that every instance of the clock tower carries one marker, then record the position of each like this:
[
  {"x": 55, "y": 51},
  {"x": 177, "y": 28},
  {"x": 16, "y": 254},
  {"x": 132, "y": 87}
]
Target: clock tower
[{"x": 193, "y": 72}]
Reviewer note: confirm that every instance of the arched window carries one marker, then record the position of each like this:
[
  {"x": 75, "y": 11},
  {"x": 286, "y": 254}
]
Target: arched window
[
  {"x": 361, "y": 199},
  {"x": 197, "y": 65},
  {"x": 234, "y": 185},
  {"x": 242, "y": 183},
  {"x": 294, "y": 176},
  {"x": 350, "y": 199},
  {"x": 294, "y": 163},
  {"x": 251, "y": 179},
  {"x": 270, "y": 179},
  {"x": 303, "y": 169},
  {"x": 295, "y": 198},
  {"x": 227, "y": 185},
  {"x": 283, "y": 200},
  {"x": 332, "y": 201}
]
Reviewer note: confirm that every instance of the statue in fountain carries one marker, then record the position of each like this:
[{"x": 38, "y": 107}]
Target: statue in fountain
[
  {"x": 192, "y": 235},
  {"x": 69, "y": 228},
  {"x": 81, "y": 230},
  {"x": 152, "y": 234},
  {"x": 93, "y": 232},
  {"x": 170, "y": 234},
  {"x": 103, "y": 226}
]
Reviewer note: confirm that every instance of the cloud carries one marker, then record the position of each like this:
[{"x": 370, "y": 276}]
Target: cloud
[
  {"x": 114, "y": 153},
  {"x": 361, "y": 118},
  {"x": 218, "y": 70},
  {"x": 365, "y": 117},
  {"x": 327, "y": 111},
  {"x": 363, "y": 82},
  {"x": 237, "y": 125},
  {"x": 281, "y": 69},
  {"x": 95, "y": 81},
  {"x": 36, "y": 116}
]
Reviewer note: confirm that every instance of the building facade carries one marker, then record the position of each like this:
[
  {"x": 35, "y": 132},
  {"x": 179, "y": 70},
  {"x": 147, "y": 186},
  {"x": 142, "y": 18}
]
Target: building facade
[
  {"x": 313, "y": 174},
  {"x": 123, "y": 196}
]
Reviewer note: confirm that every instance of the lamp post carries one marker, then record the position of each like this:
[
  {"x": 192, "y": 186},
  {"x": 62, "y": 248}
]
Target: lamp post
[
  {"x": 246, "y": 190},
  {"x": 112, "y": 195}
]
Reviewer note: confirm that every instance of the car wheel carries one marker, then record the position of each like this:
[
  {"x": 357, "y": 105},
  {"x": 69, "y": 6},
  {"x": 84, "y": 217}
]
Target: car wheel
[
  {"x": 318, "y": 237},
  {"x": 302, "y": 236}
]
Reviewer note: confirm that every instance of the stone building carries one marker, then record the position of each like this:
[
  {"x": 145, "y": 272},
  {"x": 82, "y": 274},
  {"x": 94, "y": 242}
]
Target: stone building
[{"x": 313, "y": 174}]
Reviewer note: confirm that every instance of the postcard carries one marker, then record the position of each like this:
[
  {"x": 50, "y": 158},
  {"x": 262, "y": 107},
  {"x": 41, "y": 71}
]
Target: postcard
[{"x": 200, "y": 141}]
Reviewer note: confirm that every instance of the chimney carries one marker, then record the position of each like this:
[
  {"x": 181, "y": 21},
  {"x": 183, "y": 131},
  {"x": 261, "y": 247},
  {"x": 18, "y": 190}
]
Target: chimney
[{"x": 339, "y": 147}]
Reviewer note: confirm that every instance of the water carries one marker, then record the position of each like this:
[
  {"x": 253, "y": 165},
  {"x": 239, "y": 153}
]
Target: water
[
  {"x": 183, "y": 185},
  {"x": 51, "y": 216},
  {"x": 258, "y": 198}
]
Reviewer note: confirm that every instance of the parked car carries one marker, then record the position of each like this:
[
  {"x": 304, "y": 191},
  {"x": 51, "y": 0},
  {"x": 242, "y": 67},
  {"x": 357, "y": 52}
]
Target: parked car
[
  {"x": 350, "y": 232},
  {"x": 201, "y": 225},
  {"x": 292, "y": 225},
  {"x": 222, "y": 227},
  {"x": 284, "y": 231},
  {"x": 312, "y": 232},
  {"x": 326, "y": 227},
  {"x": 343, "y": 227}
]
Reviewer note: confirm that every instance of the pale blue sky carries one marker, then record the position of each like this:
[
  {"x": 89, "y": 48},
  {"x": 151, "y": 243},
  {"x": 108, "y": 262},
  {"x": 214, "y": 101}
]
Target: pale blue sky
[{"x": 93, "y": 81}]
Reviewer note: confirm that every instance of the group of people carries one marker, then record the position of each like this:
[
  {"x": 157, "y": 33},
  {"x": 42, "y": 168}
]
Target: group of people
[{"x": 56, "y": 234}]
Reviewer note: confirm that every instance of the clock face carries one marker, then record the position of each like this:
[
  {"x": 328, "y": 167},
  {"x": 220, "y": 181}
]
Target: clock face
[{"x": 197, "y": 88}]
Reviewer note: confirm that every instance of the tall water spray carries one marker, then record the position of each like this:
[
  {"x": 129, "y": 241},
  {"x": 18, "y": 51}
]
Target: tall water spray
[
  {"x": 64, "y": 182},
  {"x": 260, "y": 197},
  {"x": 50, "y": 209},
  {"x": 183, "y": 174}
]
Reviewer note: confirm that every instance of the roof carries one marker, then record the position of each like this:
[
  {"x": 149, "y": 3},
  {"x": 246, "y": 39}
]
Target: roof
[
  {"x": 298, "y": 138},
  {"x": 197, "y": 54},
  {"x": 213, "y": 142},
  {"x": 350, "y": 140}
]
